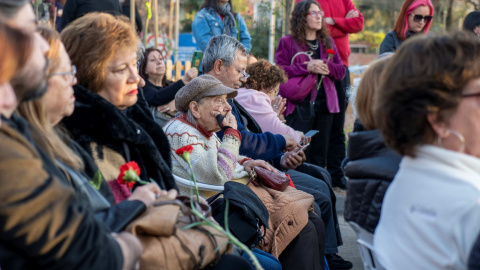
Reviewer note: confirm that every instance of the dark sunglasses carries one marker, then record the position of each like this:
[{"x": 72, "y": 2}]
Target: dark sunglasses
[{"x": 418, "y": 18}]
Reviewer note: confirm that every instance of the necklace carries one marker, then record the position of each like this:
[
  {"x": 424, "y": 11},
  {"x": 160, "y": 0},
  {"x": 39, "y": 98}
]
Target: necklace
[{"x": 313, "y": 46}]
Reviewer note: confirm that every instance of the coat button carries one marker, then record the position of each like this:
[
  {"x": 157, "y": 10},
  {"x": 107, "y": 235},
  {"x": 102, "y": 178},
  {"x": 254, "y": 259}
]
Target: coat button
[
  {"x": 138, "y": 131},
  {"x": 290, "y": 222}
]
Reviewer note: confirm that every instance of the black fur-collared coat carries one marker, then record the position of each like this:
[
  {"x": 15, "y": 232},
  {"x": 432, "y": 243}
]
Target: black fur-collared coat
[{"x": 113, "y": 137}]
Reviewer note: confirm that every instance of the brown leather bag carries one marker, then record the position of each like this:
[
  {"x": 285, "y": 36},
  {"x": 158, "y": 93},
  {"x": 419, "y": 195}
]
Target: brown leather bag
[
  {"x": 167, "y": 245},
  {"x": 277, "y": 181}
]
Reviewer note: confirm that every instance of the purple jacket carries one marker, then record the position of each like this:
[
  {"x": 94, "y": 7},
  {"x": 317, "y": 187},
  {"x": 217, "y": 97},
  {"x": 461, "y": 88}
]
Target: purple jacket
[{"x": 287, "y": 48}]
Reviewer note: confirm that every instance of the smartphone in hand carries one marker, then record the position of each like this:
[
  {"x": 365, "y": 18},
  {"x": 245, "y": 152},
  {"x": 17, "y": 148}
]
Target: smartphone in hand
[
  {"x": 197, "y": 59},
  {"x": 311, "y": 133},
  {"x": 303, "y": 148}
]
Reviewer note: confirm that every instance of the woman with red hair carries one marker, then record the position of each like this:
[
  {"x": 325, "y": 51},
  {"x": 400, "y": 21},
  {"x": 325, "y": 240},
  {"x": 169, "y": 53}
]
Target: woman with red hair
[{"x": 414, "y": 17}]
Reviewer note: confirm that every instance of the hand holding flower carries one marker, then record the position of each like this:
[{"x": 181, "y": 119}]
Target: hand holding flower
[
  {"x": 330, "y": 52},
  {"x": 146, "y": 194}
]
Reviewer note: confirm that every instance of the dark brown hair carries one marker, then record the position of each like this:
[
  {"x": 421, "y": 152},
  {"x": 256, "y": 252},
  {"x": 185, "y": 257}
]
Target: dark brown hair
[
  {"x": 298, "y": 24},
  {"x": 214, "y": 4},
  {"x": 264, "y": 75},
  {"x": 426, "y": 75},
  {"x": 92, "y": 40},
  {"x": 143, "y": 66}
]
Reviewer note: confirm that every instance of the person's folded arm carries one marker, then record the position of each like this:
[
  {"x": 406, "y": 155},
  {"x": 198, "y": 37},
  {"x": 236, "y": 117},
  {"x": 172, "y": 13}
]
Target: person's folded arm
[{"x": 348, "y": 25}]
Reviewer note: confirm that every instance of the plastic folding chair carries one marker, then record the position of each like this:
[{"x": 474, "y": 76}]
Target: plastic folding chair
[
  {"x": 365, "y": 244},
  {"x": 201, "y": 186}
]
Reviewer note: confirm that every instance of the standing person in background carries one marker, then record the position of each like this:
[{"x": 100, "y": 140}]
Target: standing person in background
[
  {"x": 342, "y": 18},
  {"x": 414, "y": 17},
  {"x": 217, "y": 17},
  {"x": 125, "y": 4},
  {"x": 316, "y": 103},
  {"x": 75, "y": 9}
]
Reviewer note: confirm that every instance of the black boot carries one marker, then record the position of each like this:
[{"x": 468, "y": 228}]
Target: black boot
[
  {"x": 336, "y": 262},
  {"x": 341, "y": 183}
]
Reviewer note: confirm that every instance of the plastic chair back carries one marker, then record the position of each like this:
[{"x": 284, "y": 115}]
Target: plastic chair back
[{"x": 365, "y": 244}]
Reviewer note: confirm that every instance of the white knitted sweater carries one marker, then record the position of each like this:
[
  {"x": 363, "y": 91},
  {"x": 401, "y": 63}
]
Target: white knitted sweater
[{"x": 213, "y": 161}]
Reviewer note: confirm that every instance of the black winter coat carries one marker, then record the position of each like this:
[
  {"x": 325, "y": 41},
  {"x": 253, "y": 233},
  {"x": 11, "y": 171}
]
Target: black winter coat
[
  {"x": 132, "y": 133},
  {"x": 370, "y": 169},
  {"x": 75, "y": 9}
]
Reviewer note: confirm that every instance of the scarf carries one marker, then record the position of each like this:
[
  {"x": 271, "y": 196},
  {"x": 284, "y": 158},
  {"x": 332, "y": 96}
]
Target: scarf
[{"x": 228, "y": 19}]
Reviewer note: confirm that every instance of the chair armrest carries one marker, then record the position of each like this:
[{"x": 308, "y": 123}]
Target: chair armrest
[{"x": 201, "y": 186}]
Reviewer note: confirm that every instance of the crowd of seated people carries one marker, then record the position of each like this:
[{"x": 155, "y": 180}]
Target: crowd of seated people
[{"x": 76, "y": 107}]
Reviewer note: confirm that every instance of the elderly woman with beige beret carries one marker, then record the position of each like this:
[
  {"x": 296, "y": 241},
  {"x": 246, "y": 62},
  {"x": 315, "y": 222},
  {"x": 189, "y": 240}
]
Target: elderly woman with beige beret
[{"x": 204, "y": 110}]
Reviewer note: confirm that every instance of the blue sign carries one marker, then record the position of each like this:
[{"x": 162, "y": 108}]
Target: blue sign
[{"x": 186, "y": 46}]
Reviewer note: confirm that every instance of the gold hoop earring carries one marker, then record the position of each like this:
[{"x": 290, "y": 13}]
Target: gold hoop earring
[{"x": 459, "y": 136}]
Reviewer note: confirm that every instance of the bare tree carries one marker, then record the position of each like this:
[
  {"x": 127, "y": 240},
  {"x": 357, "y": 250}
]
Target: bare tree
[{"x": 474, "y": 3}]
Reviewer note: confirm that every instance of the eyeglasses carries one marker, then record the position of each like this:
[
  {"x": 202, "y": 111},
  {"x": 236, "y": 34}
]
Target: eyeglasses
[
  {"x": 70, "y": 75},
  {"x": 418, "y": 18},
  {"x": 316, "y": 13},
  {"x": 244, "y": 74}
]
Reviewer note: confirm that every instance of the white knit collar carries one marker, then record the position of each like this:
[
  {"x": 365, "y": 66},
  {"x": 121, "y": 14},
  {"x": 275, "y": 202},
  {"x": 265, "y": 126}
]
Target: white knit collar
[{"x": 448, "y": 159}]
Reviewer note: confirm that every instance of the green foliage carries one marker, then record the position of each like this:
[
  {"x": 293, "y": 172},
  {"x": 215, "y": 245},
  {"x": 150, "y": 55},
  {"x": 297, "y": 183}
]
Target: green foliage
[
  {"x": 371, "y": 38},
  {"x": 260, "y": 37},
  {"x": 97, "y": 180}
]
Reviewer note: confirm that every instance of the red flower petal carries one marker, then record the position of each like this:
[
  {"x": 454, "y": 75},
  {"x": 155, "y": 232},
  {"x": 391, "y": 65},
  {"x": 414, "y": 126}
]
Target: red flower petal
[
  {"x": 132, "y": 165},
  {"x": 181, "y": 150},
  {"x": 330, "y": 51}
]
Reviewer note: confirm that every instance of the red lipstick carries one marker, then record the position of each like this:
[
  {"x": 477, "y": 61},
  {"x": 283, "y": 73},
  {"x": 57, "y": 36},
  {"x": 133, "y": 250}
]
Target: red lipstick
[{"x": 133, "y": 92}]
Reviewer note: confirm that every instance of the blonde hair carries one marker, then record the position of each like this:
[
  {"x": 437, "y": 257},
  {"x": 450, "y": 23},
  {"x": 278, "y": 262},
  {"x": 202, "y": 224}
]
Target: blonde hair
[
  {"x": 35, "y": 112},
  {"x": 367, "y": 89},
  {"x": 92, "y": 40}
]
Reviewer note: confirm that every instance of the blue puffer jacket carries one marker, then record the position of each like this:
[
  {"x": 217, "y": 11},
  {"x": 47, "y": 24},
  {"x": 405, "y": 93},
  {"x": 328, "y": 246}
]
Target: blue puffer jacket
[{"x": 207, "y": 23}]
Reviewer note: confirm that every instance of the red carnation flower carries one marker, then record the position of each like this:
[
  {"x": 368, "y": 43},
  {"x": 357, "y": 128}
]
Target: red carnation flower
[
  {"x": 184, "y": 152},
  {"x": 188, "y": 148},
  {"x": 129, "y": 174},
  {"x": 330, "y": 51}
]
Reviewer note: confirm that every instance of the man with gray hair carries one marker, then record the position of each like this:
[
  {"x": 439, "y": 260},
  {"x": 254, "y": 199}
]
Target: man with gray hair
[
  {"x": 226, "y": 59},
  {"x": 42, "y": 224}
]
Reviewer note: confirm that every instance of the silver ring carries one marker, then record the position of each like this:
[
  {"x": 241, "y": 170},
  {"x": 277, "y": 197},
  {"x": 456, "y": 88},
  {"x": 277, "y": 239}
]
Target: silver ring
[
  {"x": 157, "y": 195},
  {"x": 275, "y": 106}
]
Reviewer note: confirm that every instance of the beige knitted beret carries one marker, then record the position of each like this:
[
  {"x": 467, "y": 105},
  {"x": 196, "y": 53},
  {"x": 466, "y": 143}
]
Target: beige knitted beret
[{"x": 200, "y": 87}]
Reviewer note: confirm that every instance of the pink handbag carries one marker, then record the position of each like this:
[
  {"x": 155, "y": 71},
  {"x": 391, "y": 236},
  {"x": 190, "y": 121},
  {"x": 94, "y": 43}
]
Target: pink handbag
[{"x": 296, "y": 89}]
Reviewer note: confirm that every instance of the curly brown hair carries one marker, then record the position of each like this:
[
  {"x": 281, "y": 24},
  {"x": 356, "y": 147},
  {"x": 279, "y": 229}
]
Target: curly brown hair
[
  {"x": 426, "y": 75},
  {"x": 264, "y": 75},
  {"x": 298, "y": 24}
]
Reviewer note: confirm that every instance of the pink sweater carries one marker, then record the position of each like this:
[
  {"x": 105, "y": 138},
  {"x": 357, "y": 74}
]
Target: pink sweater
[{"x": 259, "y": 107}]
